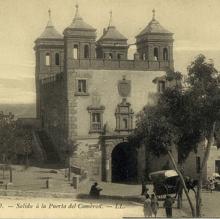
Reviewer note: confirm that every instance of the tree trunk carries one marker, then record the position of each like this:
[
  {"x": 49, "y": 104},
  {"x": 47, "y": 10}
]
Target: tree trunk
[
  {"x": 69, "y": 168},
  {"x": 183, "y": 182},
  {"x": 210, "y": 139}
]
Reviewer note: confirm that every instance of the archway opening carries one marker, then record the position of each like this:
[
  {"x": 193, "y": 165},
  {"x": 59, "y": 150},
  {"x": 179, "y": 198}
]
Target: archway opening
[
  {"x": 124, "y": 163},
  {"x": 86, "y": 51},
  {"x": 165, "y": 54},
  {"x": 156, "y": 56}
]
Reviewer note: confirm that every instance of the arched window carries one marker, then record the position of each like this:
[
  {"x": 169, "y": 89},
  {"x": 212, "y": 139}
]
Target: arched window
[
  {"x": 165, "y": 54},
  {"x": 110, "y": 56},
  {"x": 86, "y": 51},
  {"x": 47, "y": 59},
  {"x": 57, "y": 59},
  {"x": 156, "y": 57},
  {"x": 75, "y": 52}
]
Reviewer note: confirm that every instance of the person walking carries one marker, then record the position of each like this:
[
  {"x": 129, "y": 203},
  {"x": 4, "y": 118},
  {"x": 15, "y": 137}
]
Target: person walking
[
  {"x": 147, "y": 207},
  {"x": 154, "y": 205},
  {"x": 168, "y": 204}
]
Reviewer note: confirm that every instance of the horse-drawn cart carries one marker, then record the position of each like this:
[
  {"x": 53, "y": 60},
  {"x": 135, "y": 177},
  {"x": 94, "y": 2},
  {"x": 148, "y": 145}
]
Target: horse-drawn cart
[{"x": 165, "y": 182}]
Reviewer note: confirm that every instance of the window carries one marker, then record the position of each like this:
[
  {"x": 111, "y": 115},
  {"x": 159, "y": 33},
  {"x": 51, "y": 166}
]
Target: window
[
  {"x": 125, "y": 123},
  {"x": 110, "y": 56},
  {"x": 119, "y": 56},
  {"x": 47, "y": 59},
  {"x": 161, "y": 86},
  {"x": 57, "y": 59},
  {"x": 96, "y": 121},
  {"x": 124, "y": 116},
  {"x": 75, "y": 52},
  {"x": 81, "y": 87},
  {"x": 156, "y": 57},
  {"x": 165, "y": 54},
  {"x": 197, "y": 164},
  {"x": 86, "y": 51},
  {"x": 96, "y": 118}
]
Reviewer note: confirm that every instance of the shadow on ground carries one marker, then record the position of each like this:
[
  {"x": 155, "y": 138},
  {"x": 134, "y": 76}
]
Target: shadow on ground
[{"x": 138, "y": 199}]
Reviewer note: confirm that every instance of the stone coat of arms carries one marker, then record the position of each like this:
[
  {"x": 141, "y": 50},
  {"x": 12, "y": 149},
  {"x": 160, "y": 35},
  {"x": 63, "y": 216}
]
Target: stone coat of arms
[{"x": 124, "y": 87}]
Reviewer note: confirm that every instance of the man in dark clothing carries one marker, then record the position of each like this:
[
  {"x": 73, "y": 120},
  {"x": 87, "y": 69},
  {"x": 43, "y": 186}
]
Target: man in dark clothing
[
  {"x": 95, "y": 191},
  {"x": 168, "y": 204}
]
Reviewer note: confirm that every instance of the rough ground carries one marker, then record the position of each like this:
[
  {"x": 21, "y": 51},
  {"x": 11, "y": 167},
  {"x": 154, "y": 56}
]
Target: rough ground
[{"x": 32, "y": 182}]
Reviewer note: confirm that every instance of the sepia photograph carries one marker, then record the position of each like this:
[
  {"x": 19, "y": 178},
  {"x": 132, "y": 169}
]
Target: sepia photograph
[{"x": 109, "y": 109}]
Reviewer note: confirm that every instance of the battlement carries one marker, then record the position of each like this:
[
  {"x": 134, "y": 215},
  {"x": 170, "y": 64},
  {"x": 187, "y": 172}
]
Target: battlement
[
  {"x": 106, "y": 64},
  {"x": 51, "y": 80}
]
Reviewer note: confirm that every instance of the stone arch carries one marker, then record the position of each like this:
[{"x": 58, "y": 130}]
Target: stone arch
[
  {"x": 124, "y": 163},
  {"x": 86, "y": 51},
  {"x": 57, "y": 58},
  {"x": 75, "y": 51},
  {"x": 156, "y": 54},
  {"x": 165, "y": 54},
  {"x": 47, "y": 59}
]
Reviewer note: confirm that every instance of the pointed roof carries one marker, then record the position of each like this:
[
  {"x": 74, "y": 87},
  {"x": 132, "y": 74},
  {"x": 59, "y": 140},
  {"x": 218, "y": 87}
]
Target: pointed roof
[
  {"x": 112, "y": 33},
  {"x": 154, "y": 27},
  {"x": 50, "y": 32},
  {"x": 78, "y": 22}
]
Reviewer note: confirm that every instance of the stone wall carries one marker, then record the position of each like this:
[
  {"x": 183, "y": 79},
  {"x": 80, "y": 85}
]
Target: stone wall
[
  {"x": 53, "y": 111},
  {"x": 103, "y": 87},
  {"x": 136, "y": 65},
  {"x": 88, "y": 157},
  {"x": 103, "y": 90}
]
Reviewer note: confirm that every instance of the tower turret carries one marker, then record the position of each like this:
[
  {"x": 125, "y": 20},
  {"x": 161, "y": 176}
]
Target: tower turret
[
  {"x": 79, "y": 39},
  {"x": 112, "y": 44},
  {"x": 155, "y": 43},
  {"x": 49, "y": 56},
  {"x": 49, "y": 50}
]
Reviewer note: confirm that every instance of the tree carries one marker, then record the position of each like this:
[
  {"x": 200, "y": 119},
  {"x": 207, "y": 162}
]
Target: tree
[
  {"x": 155, "y": 131},
  {"x": 163, "y": 125},
  {"x": 204, "y": 86},
  {"x": 71, "y": 147},
  {"x": 7, "y": 138},
  {"x": 14, "y": 141}
]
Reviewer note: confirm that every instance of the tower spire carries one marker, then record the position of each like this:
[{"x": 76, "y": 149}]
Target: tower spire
[
  {"x": 153, "y": 14},
  {"x": 110, "y": 19},
  {"x": 49, "y": 23},
  {"x": 77, "y": 11}
]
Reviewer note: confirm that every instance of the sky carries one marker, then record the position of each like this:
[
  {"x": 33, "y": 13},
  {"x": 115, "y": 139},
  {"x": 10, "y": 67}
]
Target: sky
[{"x": 195, "y": 24}]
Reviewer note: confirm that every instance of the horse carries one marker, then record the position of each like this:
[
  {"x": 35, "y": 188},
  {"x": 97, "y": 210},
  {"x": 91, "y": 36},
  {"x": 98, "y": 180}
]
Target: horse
[{"x": 190, "y": 185}]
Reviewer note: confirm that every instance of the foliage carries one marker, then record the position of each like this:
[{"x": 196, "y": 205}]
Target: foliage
[
  {"x": 15, "y": 142},
  {"x": 183, "y": 116}
]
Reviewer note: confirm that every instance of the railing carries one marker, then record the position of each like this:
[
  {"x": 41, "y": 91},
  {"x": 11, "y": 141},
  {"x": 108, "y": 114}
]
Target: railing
[
  {"x": 96, "y": 126},
  {"x": 121, "y": 64}
]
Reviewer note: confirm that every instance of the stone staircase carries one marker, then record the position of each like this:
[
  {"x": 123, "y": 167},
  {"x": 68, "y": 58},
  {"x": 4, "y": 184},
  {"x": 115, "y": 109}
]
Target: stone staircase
[{"x": 52, "y": 156}]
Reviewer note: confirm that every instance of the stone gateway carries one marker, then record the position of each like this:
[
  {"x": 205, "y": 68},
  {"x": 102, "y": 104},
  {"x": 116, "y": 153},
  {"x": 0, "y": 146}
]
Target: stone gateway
[{"x": 89, "y": 92}]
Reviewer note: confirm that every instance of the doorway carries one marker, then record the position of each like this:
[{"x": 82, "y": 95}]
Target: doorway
[{"x": 124, "y": 163}]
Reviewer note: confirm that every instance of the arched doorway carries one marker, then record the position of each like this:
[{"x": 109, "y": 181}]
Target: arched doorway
[{"x": 124, "y": 163}]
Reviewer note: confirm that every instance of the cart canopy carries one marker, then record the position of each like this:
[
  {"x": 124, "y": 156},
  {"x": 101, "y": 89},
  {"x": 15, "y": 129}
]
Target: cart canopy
[{"x": 162, "y": 175}]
